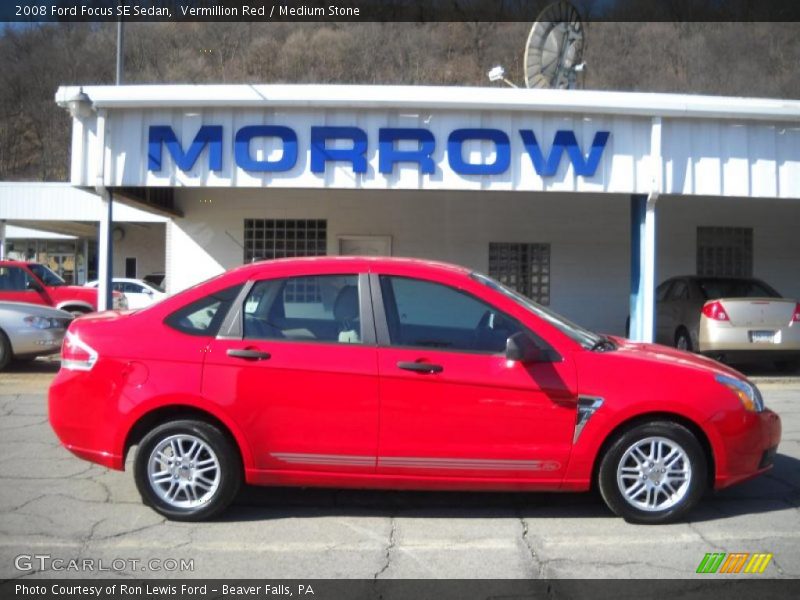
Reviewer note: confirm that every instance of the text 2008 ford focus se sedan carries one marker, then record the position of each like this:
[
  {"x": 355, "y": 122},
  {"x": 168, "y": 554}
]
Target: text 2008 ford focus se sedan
[{"x": 396, "y": 373}]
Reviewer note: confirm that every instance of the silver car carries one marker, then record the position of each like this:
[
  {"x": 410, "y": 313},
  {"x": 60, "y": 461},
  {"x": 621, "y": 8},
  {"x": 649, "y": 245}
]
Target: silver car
[
  {"x": 30, "y": 330},
  {"x": 734, "y": 319}
]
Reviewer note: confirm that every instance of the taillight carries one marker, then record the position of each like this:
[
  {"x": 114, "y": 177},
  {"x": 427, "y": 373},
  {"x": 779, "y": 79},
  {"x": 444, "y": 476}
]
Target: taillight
[
  {"x": 76, "y": 354},
  {"x": 714, "y": 310},
  {"x": 796, "y": 316}
]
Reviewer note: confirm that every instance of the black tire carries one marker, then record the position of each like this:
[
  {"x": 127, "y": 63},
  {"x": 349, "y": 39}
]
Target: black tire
[
  {"x": 228, "y": 473},
  {"x": 6, "y": 353},
  {"x": 618, "y": 455},
  {"x": 788, "y": 366},
  {"x": 683, "y": 340},
  {"x": 77, "y": 311}
]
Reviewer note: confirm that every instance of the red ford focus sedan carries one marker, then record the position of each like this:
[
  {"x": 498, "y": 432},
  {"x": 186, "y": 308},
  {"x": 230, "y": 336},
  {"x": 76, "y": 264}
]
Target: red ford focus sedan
[{"x": 402, "y": 374}]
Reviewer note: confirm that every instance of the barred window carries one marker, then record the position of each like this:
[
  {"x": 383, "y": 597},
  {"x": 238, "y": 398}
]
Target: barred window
[
  {"x": 725, "y": 251},
  {"x": 284, "y": 238},
  {"x": 523, "y": 267}
]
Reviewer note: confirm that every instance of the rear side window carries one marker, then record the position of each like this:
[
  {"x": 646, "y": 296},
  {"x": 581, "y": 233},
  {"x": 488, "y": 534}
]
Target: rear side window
[
  {"x": 204, "y": 316},
  {"x": 319, "y": 308}
]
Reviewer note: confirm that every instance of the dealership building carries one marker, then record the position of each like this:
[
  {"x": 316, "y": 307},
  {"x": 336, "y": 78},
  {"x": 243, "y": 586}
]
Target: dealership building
[{"x": 582, "y": 200}]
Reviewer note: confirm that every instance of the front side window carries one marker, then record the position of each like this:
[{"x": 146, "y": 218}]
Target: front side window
[
  {"x": 46, "y": 275},
  {"x": 430, "y": 315},
  {"x": 587, "y": 339},
  {"x": 203, "y": 317},
  {"x": 321, "y": 308}
]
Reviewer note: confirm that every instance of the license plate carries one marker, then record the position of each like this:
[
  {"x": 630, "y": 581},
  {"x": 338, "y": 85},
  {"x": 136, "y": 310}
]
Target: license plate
[{"x": 762, "y": 337}]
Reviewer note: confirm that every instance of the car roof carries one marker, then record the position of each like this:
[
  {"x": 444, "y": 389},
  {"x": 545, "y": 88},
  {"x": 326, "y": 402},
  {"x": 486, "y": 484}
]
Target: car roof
[{"x": 354, "y": 263}]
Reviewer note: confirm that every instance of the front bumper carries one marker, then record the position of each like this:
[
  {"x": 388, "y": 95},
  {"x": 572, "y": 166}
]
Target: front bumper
[{"x": 750, "y": 445}]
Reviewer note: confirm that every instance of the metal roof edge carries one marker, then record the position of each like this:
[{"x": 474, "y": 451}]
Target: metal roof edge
[{"x": 642, "y": 104}]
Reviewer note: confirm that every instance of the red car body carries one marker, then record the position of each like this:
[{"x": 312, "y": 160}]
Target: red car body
[
  {"x": 345, "y": 415},
  {"x": 55, "y": 293}
]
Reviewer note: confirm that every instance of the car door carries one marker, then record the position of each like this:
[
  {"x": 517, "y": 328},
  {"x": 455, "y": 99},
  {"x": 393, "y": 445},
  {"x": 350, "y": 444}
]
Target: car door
[
  {"x": 18, "y": 285},
  {"x": 452, "y": 405},
  {"x": 297, "y": 364}
]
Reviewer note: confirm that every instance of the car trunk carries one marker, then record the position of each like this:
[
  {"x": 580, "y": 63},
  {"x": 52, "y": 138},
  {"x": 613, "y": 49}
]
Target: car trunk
[{"x": 764, "y": 313}]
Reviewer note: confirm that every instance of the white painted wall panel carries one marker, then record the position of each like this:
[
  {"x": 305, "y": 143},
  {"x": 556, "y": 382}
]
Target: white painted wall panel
[
  {"x": 620, "y": 170},
  {"x": 701, "y": 156}
]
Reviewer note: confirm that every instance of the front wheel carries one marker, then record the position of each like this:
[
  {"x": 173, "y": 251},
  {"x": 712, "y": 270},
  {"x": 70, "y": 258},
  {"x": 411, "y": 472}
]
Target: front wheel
[
  {"x": 653, "y": 473},
  {"x": 187, "y": 470}
]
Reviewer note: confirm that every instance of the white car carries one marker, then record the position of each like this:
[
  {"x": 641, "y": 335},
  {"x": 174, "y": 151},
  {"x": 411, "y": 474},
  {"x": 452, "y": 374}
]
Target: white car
[{"x": 138, "y": 293}]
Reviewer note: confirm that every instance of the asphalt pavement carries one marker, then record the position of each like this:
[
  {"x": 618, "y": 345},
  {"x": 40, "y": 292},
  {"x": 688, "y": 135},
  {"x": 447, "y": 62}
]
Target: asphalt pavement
[{"x": 88, "y": 521}]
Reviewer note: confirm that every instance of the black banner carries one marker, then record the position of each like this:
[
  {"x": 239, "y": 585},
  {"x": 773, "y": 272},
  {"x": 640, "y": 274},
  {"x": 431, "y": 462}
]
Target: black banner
[
  {"x": 713, "y": 587},
  {"x": 390, "y": 10}
]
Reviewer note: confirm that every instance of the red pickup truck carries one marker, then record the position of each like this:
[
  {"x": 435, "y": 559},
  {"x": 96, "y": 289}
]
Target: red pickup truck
[{"x": 35, "y": 283}]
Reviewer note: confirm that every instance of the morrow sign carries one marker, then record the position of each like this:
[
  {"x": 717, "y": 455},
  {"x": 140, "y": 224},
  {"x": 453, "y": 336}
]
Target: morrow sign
[{"x": 322, "y": 152}]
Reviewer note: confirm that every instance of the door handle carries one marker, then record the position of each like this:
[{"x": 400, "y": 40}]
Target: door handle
[
  {"x": 248, "y": 354},
  {"x": 420, "y": 367}
]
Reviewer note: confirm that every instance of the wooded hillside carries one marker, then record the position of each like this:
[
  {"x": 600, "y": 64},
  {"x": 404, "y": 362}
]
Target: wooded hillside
[{"x": 742, "y": 59}]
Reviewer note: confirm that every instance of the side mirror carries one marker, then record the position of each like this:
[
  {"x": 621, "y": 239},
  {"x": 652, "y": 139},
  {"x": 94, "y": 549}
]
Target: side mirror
[
  {"x": 34, "y": 286},
  {"x": 520, "y": 347}
]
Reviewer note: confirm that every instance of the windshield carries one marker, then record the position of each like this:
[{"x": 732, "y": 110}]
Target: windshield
[
  {"x": 584, "y": 337},
  {"x": 713, "y": 289},
  {"x": 156, "y": 287},
  {"x": 46, "y": 275}
]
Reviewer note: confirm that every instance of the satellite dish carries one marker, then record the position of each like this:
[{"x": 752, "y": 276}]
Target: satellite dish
[{"x": 554, "y": 52}]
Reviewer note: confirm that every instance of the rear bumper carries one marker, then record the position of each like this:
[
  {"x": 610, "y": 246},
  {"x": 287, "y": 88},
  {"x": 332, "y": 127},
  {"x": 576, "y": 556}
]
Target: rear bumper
[
  {"x": 82, "y": 415},
  {"x": 717, "y": 338},
  {"x": 750, "y": 445}
]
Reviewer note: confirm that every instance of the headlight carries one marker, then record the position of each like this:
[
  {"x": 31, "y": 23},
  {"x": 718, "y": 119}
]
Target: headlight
[
  {"x": 42, "y": 322},
  {"x": 747, "y": 393}
]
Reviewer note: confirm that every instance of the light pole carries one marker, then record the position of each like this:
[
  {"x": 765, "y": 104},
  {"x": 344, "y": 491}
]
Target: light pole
[{"x": 120, "y": 53}]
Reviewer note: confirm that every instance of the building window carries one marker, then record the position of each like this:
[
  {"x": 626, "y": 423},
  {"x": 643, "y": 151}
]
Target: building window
[
  {"x": 725, "y": 251},
  {"x": 284, "y": 238},
  {"x": 523, "y": 267}
]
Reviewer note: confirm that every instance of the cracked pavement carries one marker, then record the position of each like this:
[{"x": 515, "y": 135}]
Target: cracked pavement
[{"x": 54, "y": 503}]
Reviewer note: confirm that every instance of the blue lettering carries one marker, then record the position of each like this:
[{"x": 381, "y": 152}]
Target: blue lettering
[
  {"x": 455, "y": 151},
  {"x": 321, "y": 154},
  {"x": 241, "y": 147},
  {"x": 564, "y": 141},
  {"x": 389, "y": 155},
  {"x": 209, "y": 135}
]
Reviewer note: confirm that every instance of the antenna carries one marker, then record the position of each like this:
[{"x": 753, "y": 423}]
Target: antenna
[{"x": 554, "y": 51}]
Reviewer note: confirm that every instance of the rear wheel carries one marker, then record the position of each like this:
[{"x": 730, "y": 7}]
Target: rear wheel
[
  {"x": 187, "y": 470},
  {"x": 683, "y": 341},
  {"x": 653, "y": 473}
]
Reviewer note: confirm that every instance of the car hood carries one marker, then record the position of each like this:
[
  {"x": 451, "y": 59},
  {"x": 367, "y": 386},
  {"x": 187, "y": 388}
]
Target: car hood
[{"x": 656, "y": 353}]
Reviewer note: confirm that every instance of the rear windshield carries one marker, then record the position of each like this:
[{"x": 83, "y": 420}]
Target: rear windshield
[{"x": 735, "y": 288}]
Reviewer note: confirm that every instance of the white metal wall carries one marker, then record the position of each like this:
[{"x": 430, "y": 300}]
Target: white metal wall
[
  {"x": 701, "y": 156},
  {"x": 589, "y": 235}
]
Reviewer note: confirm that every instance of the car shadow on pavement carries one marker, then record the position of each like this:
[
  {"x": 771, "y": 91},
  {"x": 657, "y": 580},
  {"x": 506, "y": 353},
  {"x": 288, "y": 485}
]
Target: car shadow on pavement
[
  {"x": 39, "y": 365},
  {"x": 777, "y": 490}
]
